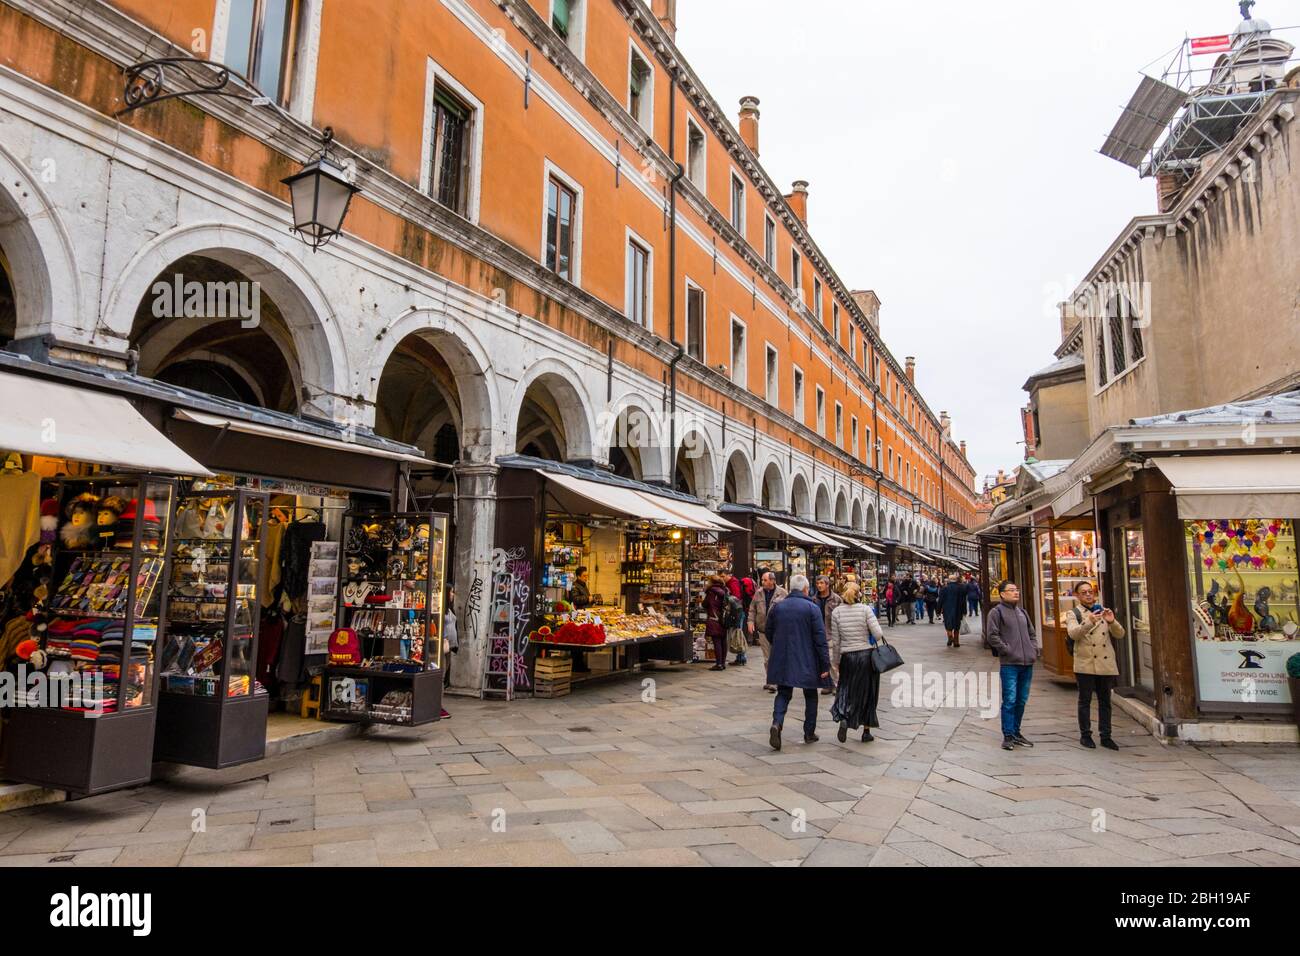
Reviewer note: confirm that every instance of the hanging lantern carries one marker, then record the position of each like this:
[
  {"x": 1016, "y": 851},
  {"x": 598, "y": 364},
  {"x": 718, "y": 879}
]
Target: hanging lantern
[{"x": 320, "y": 193}]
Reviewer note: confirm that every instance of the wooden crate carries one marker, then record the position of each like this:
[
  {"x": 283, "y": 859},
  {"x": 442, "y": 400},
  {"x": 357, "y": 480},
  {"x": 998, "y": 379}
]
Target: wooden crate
[
  {"x": 543, "y": 687},
  {"x": 553, "y": 667}
]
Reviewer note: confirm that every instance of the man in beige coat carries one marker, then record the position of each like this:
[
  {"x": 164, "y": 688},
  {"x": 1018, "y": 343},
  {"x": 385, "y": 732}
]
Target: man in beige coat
[
  {"x": 768, "y": 595},
  {"x": 1092, "y": 627}
]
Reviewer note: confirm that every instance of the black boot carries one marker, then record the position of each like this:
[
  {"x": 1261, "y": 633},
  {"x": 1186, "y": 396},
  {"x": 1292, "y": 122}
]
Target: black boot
[
  {"x": 866, "y": 735},
  {"x": 1087, "y": 741},
  {"x": 843, "y": 733},
  {"x": 774, "y": 737},
  {"x": 1109, "y": 744}
]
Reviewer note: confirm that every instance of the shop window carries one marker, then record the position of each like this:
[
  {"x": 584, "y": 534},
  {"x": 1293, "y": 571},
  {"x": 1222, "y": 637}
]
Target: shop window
[
  {"x": 638, "y": 283},
  {"x": 640, "y": 90},
  {"x": 773, "y": 383},
  {"x": 261, "y": 44},
  {"x": 1245, "y": 590},
  {"x": 737, "y": 203},
  {"x": 696, "y": 155},
  {"x": 451, "y": 136},
  {"x": 1137, "y": 609},
  {"x": 695, "y": 322},
  {"x": 561, "y": 228},
  {"x": 769, "y": 241},
  {"x": 1066, "y": 560},
  {"x": 739, "y": 364}
]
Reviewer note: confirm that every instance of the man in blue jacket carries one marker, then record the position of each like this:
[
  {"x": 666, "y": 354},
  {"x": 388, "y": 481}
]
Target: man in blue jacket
[{"x": 800, "y": 657}]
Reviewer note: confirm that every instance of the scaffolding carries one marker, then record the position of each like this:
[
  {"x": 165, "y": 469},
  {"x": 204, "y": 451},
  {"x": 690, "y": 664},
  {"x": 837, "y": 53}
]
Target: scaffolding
[{"x": 1172, "y": 123}]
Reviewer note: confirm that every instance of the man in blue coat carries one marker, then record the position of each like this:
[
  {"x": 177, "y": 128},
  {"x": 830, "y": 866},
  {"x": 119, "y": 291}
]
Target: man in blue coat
[{"x": 800, "y": 657}]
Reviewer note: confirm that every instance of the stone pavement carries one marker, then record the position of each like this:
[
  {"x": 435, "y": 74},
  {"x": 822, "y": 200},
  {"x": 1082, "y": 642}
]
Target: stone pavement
[{"x": 605, "y": 777}]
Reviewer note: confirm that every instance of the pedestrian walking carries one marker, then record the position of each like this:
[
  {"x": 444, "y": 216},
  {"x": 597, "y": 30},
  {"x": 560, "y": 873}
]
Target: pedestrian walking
[
  {"x": 800, "y": 658},
  {"x": 1092, "y": 627},
  {"x": 1011, "y": 636},
  {"x": 973, "y": 595},
  {"x": 932, "y": 597},
  {"x": 827, "y": 601},
  {"x": 715, "y": 611},
  {"x": 952, "y": 603},
  {"x": 747, "y": 589},
  {"x": 450, "y": 644},
  {"x": 854, "y": 633},
  {"x": 891, "y": 603},
  {"x": 769, "y": 595},
  {"x": 919, "y": 603},
  {"x": 907, "y": 597}
]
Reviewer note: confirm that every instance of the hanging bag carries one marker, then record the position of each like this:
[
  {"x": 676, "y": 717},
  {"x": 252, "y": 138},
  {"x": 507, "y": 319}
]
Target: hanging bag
[{"x": 885, "y": 657}]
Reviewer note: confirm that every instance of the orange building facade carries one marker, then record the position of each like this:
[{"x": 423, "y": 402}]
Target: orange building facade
[{"x": 561, "y": 246}]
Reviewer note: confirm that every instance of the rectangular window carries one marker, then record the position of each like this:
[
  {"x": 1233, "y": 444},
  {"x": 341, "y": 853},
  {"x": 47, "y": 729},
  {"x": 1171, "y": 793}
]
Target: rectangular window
[
  {"x": 695, "y": 322},
  {"x": 853, "y": 337},
  {"x": 638, "y": 283},
  {"x": 640, "y": 90},
  {"x": 568, "y": 19},
  {"x": 739, "y": 362},
  {"x": 696, "y": 155},
  {"x": 817, "y": 298},
  {"x": 769, "y": 241},
  {"x": 738, "y": 204},
  {"x": 821, "y": 411},
  {"x": 561, "y": 223},
  {"x": 853, "y": 430},
  {"x": 839, "y": 424},
  {"x": 797, "y": 407},
  {"x": 835, "y": 321},
  {"x": 261, "y": 40},
  {"x": 450, "y": 149},
  {"x": 772, "y": 380},
  {"x": 796, "y": 274}
]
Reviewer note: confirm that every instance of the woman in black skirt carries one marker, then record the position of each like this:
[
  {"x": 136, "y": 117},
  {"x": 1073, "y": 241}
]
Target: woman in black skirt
[{"x": 854, "y": 632}]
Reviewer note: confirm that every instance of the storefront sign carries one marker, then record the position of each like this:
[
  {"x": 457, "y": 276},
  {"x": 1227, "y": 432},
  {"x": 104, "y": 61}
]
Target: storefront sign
[{"x": 1244, "y": 672}]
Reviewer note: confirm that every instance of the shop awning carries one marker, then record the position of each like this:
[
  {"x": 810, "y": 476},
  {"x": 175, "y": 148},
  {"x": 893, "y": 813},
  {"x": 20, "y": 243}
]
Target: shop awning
[
  {"x": 780, "y": 529},
  {"x": 1071, "y": 502},
  {"x": 288, "y": 434},
  {"x": 697, "y": 515},
  {"x": 1234, "y": 486},
  {"x": 857, "y": 544},
  {"x": 62, "y": 421},
  {"x": 617, "y": 500}
]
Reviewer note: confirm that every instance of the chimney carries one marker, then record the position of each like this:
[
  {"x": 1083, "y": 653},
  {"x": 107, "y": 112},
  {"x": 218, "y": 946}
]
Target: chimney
[
  {"x": 665, "y": 12},
  {"x": 869, "y": 303},
  {"x": 1168, "y": 187},
  {"x": 963, "y": 449},
  {"x": 749, "y": 122},
  {"x": 945, "y": 424},
  {"x": 909, "y": 366},
  {"x": 798, "y": 200}
]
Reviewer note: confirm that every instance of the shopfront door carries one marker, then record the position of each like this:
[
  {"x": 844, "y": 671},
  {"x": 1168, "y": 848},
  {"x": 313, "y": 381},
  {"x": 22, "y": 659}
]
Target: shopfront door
[{"x": 1135, "y": 606}]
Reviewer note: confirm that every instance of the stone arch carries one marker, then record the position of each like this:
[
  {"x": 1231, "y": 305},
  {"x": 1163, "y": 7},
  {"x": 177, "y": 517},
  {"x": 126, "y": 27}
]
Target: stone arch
[
  {"x": 801, "y": 504},
  {"x": 694, "y": 467},
  {"x": 39, "y": 265},
  {"x": 857, "y": 517},
  {"x": 311, "y": 322},
  {"x": 632, "y": 433},
  {"x": 842, "y": 509},
  {"x": 893, "y": 528},
  {"x": 738, "y": 485},
  {"x": 550, "y": 412},
  {"x": 870, "y": 526},
  {"x": 823, "y": 510},
  {"x": 773, "y": 495}
]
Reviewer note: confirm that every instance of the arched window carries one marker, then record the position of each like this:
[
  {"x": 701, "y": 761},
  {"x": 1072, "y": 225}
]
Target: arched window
[{"x": 1102, "y": 376}]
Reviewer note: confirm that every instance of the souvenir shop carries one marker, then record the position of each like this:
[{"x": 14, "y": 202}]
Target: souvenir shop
[
  {"x": 786, "y": 547},
  {"x": 617, "y": 568},
  {"x": 180, "y": 567}
]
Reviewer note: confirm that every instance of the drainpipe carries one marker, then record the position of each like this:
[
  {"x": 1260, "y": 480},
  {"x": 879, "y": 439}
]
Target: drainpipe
[{"x": 678, "y": 173}]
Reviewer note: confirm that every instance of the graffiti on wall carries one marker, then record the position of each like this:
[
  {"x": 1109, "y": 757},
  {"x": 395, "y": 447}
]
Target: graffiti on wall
[{"x": 510, "y": 614}]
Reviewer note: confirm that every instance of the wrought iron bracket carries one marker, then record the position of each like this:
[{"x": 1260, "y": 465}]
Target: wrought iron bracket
[{"x": 148, "y": 82}]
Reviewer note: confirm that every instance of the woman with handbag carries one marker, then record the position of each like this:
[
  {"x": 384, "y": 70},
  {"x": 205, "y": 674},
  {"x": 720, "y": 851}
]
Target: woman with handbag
[
  {"x": 853, "y": 639},
  {"x": 715, "y": 609}
]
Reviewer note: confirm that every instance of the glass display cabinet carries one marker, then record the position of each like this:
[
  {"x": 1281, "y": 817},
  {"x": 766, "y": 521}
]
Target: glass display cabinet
[
  {"x": 212, "y": 711},
  {"x": 1067, "y": 556},
  {"x": 91, "y": 728},
  {"x": 385, "y": 660}
]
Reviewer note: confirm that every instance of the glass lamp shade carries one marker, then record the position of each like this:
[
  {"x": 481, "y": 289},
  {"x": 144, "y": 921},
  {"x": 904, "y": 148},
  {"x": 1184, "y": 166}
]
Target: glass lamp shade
[
  {"x": 320, "y": 194},
  {"x": 916, "y": 507}
]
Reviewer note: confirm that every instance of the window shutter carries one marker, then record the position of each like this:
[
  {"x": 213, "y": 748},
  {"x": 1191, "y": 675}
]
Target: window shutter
[{"x": 560, "y": 18}]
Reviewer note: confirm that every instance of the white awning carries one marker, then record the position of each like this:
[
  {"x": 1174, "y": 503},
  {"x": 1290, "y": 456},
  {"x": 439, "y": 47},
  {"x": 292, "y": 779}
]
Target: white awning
[
  {"x": 779, "y": 529},
  {"x": 626, "y": 502},
  {"x": 1234, "y": 486},
  {"x": 1070, "y": 502},
  {"x": 698, "y": 514},
  {"x": 288, "y": 434},
  {"x": 42, "y": 417}
]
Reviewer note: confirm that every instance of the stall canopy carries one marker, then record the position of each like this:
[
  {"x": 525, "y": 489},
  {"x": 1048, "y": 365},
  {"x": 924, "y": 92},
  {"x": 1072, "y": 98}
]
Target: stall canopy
[
  {"x": 288, "y": 434},
  {"x": 62, "y": 421},
  {"x": 1234, "y": 486},
  {"x": 578, "y": 494},
  {"x": 780, "y": 529}
]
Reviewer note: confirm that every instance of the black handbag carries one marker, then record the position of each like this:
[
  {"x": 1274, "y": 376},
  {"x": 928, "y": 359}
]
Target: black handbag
[{"x": 885, "y": 658}]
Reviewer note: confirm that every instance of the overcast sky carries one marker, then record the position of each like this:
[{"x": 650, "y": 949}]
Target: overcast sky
[{"x": 951, "y": 151}]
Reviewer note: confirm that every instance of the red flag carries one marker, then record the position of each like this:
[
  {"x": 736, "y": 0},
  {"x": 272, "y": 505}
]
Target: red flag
[{"x": 1221, "y": 44}]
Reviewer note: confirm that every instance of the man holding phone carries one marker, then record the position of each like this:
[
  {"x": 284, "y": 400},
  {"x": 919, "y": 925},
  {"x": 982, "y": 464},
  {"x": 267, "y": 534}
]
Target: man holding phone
[{"x": 1091, "y": 627}]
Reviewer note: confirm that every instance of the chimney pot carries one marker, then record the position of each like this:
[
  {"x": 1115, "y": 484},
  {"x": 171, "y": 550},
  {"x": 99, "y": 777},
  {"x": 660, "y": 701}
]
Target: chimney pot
[
  {"x": 798, "y": 199},
  {"x": 665, "y": 12},
  {"x": 749, "y": 122},
  {"x": 963, "y": 449},
  {"x": 909, "y": 367}
]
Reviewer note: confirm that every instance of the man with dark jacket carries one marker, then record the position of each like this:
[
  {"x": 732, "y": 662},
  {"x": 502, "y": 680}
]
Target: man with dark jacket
[
  {"x": 800, "y": 657},
  {"x": 907, "y": 597},
  {"x": 1011, "y": 636},
  {"x": 972, "y": 595},
  {"x": 827, "y": 600}
]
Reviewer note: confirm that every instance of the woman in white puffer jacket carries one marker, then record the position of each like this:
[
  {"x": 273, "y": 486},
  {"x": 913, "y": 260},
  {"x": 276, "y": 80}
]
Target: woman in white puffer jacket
[{"x": 854, "y": 633}]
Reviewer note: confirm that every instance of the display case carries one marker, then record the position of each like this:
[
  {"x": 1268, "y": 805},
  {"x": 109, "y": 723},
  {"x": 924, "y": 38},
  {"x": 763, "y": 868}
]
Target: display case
[
  {"x": 1067, "y": 557},
  {"x": 98, "y": 629},
  {"x": 211, "y": 710},
  {"x": 392, "y": 582}
]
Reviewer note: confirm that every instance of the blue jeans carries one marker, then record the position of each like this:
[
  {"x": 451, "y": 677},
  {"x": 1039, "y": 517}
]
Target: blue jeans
[
  {"x": 1015, "y": 694},
  {"x": 920, "y": 608},
  {"x": 741, "y": 658},
  {"x": 782, "y": 704}
]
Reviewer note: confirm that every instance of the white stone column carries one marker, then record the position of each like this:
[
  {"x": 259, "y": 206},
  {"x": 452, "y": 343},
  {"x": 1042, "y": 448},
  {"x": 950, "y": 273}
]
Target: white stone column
[{"x": 476, "y": 516}]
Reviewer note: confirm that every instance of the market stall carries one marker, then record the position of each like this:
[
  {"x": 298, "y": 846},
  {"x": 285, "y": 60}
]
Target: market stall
[{"x": 1067, "y": 557}]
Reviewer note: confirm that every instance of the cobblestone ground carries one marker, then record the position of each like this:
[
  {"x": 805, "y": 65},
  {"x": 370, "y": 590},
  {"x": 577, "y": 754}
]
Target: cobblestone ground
[{"x": 603, "y": 777}]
